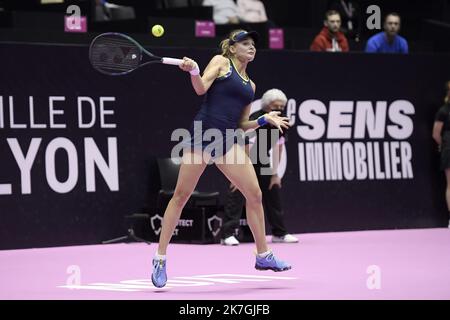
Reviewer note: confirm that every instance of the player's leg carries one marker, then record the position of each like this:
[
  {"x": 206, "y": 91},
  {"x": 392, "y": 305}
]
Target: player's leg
[
  {"x": 243, "y": 176},
  {"x": 192, "y": 167}
]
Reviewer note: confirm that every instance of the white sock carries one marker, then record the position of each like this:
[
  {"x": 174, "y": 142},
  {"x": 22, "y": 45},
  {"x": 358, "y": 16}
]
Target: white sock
[
  {"x": 160, "y": 256},
  {"x": 264, "y": 254}
]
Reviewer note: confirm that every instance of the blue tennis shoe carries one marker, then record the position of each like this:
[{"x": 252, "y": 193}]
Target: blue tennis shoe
[
  {"x": 159, "y": 275},
  {"x": 270, "y": 262}
]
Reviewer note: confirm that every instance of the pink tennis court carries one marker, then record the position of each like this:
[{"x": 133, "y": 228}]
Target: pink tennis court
[{"x": 407, "y": 264}]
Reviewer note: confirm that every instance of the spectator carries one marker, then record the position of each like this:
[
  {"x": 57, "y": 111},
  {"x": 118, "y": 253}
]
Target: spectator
[
  {"x": 251, "y": 11},
  {"x": 224, "y": 11},
  {"x": 330, "y": 38},
  {"x": 388, "y": 41},
  {"x": 351, "y": 17},
  {"x": 106, "y": 11}
]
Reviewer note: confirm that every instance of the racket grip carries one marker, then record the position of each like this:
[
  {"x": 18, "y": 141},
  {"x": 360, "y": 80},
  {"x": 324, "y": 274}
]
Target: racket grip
[
  {"x": 172, "y": 61},
  {"x": 177, "y": 62}
]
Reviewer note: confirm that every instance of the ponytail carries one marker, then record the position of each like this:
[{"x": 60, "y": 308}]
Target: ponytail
[{"x": 225, "y": 47}]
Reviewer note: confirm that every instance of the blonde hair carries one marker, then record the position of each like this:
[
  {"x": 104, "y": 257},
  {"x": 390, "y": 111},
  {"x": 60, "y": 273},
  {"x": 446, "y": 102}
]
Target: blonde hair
[{"x": 225, "y": 44}]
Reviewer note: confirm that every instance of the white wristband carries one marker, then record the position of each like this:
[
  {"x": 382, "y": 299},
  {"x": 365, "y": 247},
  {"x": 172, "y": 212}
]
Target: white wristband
[{"x": 195, "y": 71}]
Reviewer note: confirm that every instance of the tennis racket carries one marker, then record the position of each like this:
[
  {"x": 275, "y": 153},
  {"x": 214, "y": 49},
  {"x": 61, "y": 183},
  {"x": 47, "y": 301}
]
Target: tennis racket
[{"x": 118, "y": 54}]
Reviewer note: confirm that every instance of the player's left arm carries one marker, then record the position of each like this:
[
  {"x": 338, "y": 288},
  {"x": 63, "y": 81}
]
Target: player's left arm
[{"x": 273, "y": 118}]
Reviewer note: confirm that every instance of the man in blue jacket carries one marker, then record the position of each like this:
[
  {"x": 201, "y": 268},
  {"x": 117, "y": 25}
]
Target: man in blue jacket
[{"x": 388, "y": 41}]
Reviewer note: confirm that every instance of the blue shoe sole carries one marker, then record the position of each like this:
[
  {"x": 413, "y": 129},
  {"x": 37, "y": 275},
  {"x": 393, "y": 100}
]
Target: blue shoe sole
[
  {"x": 156, "y": 285},
  {"x": 271, "y": 268}
]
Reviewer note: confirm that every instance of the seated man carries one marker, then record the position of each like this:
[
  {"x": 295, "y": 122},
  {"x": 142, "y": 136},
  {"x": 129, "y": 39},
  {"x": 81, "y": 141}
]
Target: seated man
[
  {"x": 351, "y": 16},
  {"x": 388, "y": 41},
  {"x": 330, "y": 39}
]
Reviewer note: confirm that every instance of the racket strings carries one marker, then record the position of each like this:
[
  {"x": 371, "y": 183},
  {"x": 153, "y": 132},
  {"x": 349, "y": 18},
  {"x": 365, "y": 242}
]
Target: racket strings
[{"x": 114, "y": 55}]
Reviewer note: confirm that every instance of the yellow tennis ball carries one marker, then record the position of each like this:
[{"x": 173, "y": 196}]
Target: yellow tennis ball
[{"x": 157, "y": 30}]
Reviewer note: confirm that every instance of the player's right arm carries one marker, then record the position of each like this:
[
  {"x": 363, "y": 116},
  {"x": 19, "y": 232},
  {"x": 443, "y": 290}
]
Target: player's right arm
[{"x": 202, "y": 83}]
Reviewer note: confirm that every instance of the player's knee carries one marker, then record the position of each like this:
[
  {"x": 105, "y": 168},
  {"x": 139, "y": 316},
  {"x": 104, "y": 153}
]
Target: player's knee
[
  {"x": 180, "y": 197},
  {"x": 254, "y": 196}
]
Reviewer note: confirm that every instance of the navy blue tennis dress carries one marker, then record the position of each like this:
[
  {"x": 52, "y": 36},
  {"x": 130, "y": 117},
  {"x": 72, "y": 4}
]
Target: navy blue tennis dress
[{"x": 221, "y": 109}]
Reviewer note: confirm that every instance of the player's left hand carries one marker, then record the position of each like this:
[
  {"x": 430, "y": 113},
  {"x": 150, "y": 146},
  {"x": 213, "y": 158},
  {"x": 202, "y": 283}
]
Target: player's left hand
[{"x": 274, "y": 119}]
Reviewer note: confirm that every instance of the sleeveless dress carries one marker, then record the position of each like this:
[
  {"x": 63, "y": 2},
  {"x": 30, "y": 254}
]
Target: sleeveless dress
[{"x": 221, "y": 110}]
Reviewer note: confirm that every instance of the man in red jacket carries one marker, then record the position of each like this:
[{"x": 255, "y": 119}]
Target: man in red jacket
[{"x": 330, "y": 38}]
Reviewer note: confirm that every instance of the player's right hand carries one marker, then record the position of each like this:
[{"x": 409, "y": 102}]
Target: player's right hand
[{"x": 188, "y": 64}]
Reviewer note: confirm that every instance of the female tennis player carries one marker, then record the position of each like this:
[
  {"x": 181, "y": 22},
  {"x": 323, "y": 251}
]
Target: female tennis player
[{"x": 229, "y": 93}]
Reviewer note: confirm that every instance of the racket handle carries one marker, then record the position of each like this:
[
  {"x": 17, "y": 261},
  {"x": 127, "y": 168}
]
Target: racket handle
[
  {"x": 172, "y": 61},
  {"x": 177, "y": 62}
]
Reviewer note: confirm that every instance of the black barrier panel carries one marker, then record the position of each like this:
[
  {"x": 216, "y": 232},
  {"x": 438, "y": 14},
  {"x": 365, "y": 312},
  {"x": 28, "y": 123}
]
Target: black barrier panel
[
  {"x": 67, "y": 177},
  {"x": 199, "y": 225}
]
